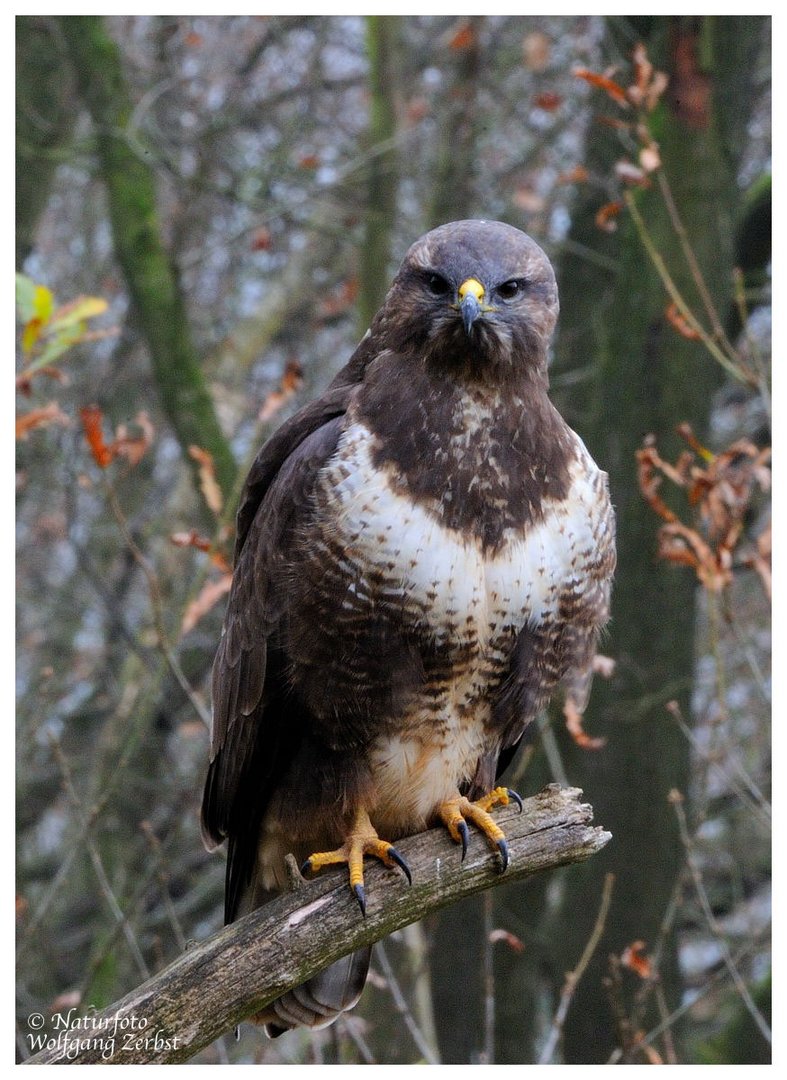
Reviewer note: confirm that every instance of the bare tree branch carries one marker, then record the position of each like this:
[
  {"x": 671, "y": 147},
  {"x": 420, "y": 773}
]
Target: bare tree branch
[{"x": 239, "y": 970}]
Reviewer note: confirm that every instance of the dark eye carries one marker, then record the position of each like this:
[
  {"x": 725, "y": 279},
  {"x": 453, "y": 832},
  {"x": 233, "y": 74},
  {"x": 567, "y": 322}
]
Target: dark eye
[
  {"x": 509, "y": 289},
  {"x": 437, "y": 285}
]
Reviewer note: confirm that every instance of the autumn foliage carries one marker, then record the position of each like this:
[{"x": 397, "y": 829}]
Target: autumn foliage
[{"x": 718, "y": 491}]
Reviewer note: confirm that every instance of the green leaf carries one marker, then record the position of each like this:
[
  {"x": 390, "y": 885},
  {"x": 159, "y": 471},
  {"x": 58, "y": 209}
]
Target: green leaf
[
  {"x": 25, "y": 298},
  {"x": 55, "y": 347}
]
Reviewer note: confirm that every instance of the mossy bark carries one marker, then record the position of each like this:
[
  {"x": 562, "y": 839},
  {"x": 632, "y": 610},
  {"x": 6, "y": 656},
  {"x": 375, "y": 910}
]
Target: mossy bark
[
  {"x": 151, "y": 277},
  {"x": 44, "y": 121}
]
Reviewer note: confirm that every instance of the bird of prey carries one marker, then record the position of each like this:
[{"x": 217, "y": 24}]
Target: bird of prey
[{"x": 423, "y": 555}]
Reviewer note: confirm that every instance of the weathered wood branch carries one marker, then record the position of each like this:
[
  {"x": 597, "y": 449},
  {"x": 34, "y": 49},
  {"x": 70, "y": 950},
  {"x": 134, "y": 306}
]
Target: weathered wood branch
[{"x": 236, "y": 972}]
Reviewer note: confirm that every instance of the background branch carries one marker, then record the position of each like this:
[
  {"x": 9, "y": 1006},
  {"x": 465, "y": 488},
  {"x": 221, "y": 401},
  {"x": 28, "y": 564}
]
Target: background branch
[{"x": 236, "y": 972}]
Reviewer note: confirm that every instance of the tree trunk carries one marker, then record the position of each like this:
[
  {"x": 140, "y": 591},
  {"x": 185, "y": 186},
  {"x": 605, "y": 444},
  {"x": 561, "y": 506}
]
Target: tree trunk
[
  {"x": 649, "y": 379},
  {"x": 382, "y": 32},
  {"x": 151, "y": 277},
  {"x": 455, "y": 170},
  {"x": 44, "y": 120}
]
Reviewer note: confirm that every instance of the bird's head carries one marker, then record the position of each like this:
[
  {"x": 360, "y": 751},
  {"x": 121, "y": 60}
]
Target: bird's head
[{"x": 474, "y": 295}]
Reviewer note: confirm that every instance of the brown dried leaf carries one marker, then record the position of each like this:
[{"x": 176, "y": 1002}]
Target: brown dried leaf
[
  {"x": 528, "y": 200},
  {"x": 760, "y": 559},
  {"x": 93, "y": 422},
  {"x": 201, "y": 543},
  {"x": 649, "y": 481},
  {"x": 630, "y": 173},
  {"x": 634, "y": 958},
  {"x": 190, "y": 539},
  {"x": 69, "y": 999},
  {"x": 603, "y": 82},
  {"x": 604, "y": 666},
  {"x": 679, "y": 323},
  {"x": 649, "y": 84},
  {"x": 643, "y": 69},
  {"x": 575, "y": 729},
  {"x": 657, "y": 87},
  {"x": 291, "y": 382},
  {"x": 651, "y": 1053},
  {"x": 133, "y": 447},
  {"x": 261, "y": 239},
  {"x": 41, "y": 417},
  {"x": 536, "y": 50},
  {"x": 210, "y": 593},
  {"x": 461, "y": 37},
  {"x": 339, "y": 300},
  {"x": 211, "y": 492},
  {"x": 605, "y": 218},
  {"x": 25, "y": 378},
  {"x": 505, "y": 937},
  {"x": 548, "y": 100},
  {"x": 649, "y": 158}
]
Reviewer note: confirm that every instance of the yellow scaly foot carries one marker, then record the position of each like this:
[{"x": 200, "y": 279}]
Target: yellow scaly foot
[
  {"x": 361, "y": 840},
  {"x": 456, "y": 812}
]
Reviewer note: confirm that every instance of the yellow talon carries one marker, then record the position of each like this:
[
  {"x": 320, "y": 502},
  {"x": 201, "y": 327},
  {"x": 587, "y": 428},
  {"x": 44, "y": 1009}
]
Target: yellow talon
[
  {"x": 362, "y": 840},
  {"x": 456, "y": 812}
]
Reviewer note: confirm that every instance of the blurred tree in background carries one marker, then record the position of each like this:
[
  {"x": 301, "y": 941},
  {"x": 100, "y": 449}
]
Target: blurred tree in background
[{"x": 239, "y": 190}]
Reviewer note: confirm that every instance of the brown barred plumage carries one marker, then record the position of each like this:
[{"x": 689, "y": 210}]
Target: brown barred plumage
[{"x": 423, "y": 555}]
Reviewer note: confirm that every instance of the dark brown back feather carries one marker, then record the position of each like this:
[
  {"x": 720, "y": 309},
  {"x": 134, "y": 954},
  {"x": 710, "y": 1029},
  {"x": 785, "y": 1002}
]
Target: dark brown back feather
[{"x": 253, "y": 733}]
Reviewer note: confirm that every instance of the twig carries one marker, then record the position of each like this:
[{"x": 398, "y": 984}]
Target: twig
[
  {"x": 668, "y": 1021},
  {"x": 163, "y": 879},
  {"x": 87, "y": 821},
  {"x": 669, "y": 1045},
  {"x": 349, "y": 1026},
  {"x": 95, "y": 858},
  {"x": 747, "y": 791},
  {"x": 417, "y": 948},
  {"x": 754, "y": 349},
  {"x": 691, "y": 259},
  {"x": 734, "y": 368},
  {"x": 402, "y": 1007},
  {"x": 489, "y": 984},
  {"x": 573, "y": 977},
  {"x": 551, "y": 748},
  {"x": 710, "y": 918},
  {"x": 155, "y": 602},
  {"x": 746, "y": 649}
]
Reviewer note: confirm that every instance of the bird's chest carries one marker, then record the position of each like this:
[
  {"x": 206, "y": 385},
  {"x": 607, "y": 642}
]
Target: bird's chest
[
  {"x": 460, "y": 605},
  {"x": 396, "y": 556}
]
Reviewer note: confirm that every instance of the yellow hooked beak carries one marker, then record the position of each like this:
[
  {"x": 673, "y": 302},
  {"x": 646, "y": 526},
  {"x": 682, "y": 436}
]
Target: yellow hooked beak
[{"x": 471, "y": 295}]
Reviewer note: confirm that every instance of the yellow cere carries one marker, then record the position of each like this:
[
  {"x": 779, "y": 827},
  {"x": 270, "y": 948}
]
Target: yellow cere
[{"x": 471, "y": 286}]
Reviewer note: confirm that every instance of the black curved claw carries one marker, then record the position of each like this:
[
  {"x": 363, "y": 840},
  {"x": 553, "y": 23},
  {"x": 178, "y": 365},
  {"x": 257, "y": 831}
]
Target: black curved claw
[
  {"x": 502, "y": 847},
  {"x": 360, "y": 896},
  {"x": 307, "y": 867},
  {"x": 464, "y": 834},
  {"x": 515, "y": 798},
  {"x": 400, "y": 862}
]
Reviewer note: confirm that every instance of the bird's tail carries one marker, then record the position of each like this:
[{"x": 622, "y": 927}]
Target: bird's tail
[{"x": 320, "y": 1000}]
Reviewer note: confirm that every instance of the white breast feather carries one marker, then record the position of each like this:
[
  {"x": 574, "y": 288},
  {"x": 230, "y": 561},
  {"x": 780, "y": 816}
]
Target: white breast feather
[{"x": 466, "y": 595}]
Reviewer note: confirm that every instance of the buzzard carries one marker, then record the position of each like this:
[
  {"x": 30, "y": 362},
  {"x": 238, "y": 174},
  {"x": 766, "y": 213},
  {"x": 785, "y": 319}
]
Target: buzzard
[{"x": 423, "y": 555}]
